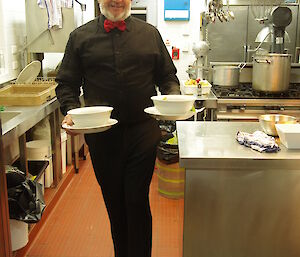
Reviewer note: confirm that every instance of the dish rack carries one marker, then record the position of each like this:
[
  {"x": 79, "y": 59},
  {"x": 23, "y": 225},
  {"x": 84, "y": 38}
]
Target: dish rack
[{"x": 28, "y": 94}]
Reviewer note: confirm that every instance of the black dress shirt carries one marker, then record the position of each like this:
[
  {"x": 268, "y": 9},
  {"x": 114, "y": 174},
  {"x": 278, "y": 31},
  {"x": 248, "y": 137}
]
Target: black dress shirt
[{"x": 118, "y": 69}]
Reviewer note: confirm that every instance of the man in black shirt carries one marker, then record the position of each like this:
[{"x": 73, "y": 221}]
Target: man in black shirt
[{"x": 118, "y": 60}]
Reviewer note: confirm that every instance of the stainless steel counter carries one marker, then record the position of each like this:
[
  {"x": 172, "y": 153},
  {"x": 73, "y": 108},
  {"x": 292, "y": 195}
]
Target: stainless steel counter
[
  {"x": 238, "y": 202},
  {"x": 201, "y": 142},
  {"x": 26, "y": 118},
  {"x": 207, "y": 97},
  {"x": 14, "y": 129}
]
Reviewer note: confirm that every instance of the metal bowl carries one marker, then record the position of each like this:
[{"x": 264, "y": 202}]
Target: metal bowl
[{"x": 268, "y": 121}]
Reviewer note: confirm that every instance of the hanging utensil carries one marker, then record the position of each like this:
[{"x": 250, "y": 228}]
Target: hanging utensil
[
  {"x": 229, "y": 12},
  {"x": 225, "y": 17}
]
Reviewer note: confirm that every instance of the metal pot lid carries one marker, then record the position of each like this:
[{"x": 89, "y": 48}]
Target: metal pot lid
[{"x": 29, "y": 73}]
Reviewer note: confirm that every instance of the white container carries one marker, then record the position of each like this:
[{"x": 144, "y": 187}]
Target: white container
[
  {"x": 64, "y": 136},
  {"x": 90, "y": 116},
  {"x": 289, "y": 135},
  {"x": 188, "y": 89},
  {"x": 173, "y": 104},
  {"x": 41, "y": 150},
  {"x": 42, "y": 130},
  {"x": 19, "y": 234},
  {"x": 203, "y": 88}
]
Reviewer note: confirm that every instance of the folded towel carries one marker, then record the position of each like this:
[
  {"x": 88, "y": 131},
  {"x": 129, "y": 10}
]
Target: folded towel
[
  {"x": 67, "y": 3},
  {"x": 258, "y": 141},
  {"x": 54, "y": 12}
]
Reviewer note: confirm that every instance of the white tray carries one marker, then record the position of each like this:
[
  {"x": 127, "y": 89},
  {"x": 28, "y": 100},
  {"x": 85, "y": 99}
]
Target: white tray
[
  {"x": 90, "y": 130},
  {"x": 157, "y": 115}
]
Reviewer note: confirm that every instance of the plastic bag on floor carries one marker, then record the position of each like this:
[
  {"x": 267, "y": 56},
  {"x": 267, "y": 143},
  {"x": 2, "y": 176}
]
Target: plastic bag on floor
[
  {"x": 25, "y": 197},
  {"x": 167, "y": 126},
  {"x": 167, "y": 150}
]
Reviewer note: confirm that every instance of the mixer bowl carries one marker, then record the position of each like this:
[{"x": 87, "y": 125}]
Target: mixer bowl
[{"x": 268, "y": 121}]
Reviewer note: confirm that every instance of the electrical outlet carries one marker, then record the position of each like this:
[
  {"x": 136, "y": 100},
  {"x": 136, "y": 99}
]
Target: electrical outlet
[
  {"x": 15, "y": 65},
  {"x": 14, "y": 49},
  {"x": 185, "y": 47}
]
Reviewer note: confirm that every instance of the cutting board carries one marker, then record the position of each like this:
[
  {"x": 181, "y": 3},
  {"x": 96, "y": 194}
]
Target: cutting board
[{"x": 27, "y": 94}]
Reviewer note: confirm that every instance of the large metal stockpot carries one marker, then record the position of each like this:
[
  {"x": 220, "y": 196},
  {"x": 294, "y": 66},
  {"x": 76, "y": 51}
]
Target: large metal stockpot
[
  {"x": 271, "y": 72},
  {"x": 227, "y": 76}
]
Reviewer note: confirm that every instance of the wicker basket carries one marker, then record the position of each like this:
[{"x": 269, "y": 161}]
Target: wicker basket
[{"x": 35, "y": 93}]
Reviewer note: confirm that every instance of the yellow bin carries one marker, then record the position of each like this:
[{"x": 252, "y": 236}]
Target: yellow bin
[{"x": 171, "y": 179}]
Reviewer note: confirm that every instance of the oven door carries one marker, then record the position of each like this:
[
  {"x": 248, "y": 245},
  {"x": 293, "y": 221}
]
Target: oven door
[
  {"x": 243, "y": 110},
  {"x": 145, "y": 10},
  {"x": 140, "y": 13}
]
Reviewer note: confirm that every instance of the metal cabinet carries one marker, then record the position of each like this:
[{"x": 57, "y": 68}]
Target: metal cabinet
[{"x": 229, "y": 41}]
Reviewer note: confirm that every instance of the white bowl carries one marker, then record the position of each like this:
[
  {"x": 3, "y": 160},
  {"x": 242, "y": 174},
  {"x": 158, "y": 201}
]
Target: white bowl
[
  {"x": 289, "y": 135},
  {"x": 91, "y": 116},
  {"x": 268, "y": 121},
  {"x": 173, "y": 104}
]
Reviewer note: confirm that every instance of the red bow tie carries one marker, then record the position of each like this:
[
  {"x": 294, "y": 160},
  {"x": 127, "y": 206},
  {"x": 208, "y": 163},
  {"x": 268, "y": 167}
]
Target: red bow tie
[{"x": 109, "y": 25}]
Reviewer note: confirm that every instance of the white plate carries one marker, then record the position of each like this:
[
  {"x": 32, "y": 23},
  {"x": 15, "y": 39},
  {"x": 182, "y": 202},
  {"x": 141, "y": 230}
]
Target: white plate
[
  {"x": 90, "y": 130},
  {"x": 29, "y": 73},
  {"x": 157, "y": 115}
]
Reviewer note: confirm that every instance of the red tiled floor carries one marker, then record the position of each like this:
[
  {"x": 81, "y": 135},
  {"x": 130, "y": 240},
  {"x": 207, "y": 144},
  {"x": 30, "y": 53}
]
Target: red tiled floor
[{"x": 79, "y": 226}]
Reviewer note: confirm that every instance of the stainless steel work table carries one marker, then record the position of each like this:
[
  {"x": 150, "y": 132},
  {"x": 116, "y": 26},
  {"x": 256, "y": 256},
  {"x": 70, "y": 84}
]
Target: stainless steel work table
[
  {"x": 27, "y": 117},
  {"x": 209, "y": 101},
  {"x": 207, "y": 97},
  {"x": 238, "y": 202}
]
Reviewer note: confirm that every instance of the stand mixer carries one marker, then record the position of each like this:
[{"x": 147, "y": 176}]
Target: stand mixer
[{"x": 200, "y": 50}]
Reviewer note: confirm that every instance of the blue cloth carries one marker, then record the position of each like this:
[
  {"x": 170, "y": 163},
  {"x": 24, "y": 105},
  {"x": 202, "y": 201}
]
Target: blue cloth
[{"x": 258, "y": 141}]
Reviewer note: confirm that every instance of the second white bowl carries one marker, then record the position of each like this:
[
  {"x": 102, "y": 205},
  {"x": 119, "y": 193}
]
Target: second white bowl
[{"x": 173, "y": 104}]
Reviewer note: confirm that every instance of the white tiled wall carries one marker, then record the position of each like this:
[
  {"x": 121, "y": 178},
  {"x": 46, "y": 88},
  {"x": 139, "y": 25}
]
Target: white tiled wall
[
  {"x": 12, "y": 37},
  {"x": 12, "y": 34},
  {"x": 182, "y": 34}
]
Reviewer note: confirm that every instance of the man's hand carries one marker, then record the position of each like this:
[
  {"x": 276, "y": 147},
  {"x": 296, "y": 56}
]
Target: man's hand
[{"x": 68, "y": 120}]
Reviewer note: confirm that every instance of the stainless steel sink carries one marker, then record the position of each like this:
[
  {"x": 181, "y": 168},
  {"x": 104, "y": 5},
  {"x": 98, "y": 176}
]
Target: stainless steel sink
[{"x": 8, "y": 115}]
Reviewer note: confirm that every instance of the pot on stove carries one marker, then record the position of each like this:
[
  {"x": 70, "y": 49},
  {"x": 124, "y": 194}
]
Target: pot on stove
[
  {"x": 227, "y": 76},
  {"x": 271, "y": 72}
]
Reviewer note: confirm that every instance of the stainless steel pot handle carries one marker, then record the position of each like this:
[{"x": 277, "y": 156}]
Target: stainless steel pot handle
[
  {"x": 242, "y": 66},
  {"x": 263, "y": 61},
  {"x": 198, "y": 111}
]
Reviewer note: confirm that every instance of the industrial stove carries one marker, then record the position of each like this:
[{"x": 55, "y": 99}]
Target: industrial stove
[{"x": 244, "y": 103}]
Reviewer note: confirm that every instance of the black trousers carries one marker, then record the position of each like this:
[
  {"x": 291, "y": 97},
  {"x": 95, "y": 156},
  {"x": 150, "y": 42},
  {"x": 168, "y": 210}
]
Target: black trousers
[{"x": 123, "y": 159}]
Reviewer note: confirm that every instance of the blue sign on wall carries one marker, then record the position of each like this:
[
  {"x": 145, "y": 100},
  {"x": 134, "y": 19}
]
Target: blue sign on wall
[{"x": 177, "y": 10}]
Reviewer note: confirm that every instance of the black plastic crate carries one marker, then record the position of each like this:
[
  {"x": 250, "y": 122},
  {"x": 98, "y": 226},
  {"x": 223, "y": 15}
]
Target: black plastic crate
[{"x": 35, "y": 167}]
